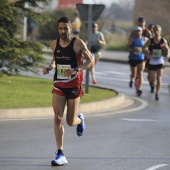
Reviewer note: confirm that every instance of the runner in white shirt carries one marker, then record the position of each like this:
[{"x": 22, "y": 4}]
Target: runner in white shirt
[{"x": 154, "y": 49}]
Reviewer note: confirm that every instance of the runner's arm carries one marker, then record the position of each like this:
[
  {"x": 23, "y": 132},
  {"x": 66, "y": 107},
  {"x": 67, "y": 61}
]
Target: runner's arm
[
  {"x": 86, "y": 53},
  {"x": 166, "y": 48},
  {"x": 145, "y": 48},
  {"x": 149, "y": 34},
  {"x": 52, "y": 64},
  {"x": 102, "y": 41}
]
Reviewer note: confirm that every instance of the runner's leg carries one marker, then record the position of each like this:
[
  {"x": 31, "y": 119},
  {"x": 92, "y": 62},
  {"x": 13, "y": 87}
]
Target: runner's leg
[
  {"x": 133, "y": 72},
  {"x": 73, "y": 118},
  {"x": 72, "y": 112},
  {"x": 140, "y": 69},
  {"x": 159, "y": 80},
  {"x": 92, "y": 70},
  {"x": 58, "y": 107}
]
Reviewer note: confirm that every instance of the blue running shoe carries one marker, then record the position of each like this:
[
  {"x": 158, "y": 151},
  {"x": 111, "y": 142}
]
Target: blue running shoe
[
  {"x": 59, "y": 160},
  {"x": 81, "y": 127}
]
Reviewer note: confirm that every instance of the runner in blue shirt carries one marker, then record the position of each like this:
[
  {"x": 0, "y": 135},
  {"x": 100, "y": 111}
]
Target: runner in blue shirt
[{"x": 136, "y": 57}]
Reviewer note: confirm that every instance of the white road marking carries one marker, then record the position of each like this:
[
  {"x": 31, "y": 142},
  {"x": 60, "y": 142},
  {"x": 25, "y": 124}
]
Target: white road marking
[
  {"x": 142, "y": 106},
  {"x": 139, "y": 120},
  {"x": 156, "y": 167}
]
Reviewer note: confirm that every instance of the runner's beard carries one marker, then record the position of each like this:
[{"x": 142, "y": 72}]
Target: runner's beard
[{"x": 64, "y": 37}]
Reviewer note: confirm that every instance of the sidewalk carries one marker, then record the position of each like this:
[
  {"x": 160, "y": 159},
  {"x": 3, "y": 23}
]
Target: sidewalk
[{"x": 115, "y": 56}]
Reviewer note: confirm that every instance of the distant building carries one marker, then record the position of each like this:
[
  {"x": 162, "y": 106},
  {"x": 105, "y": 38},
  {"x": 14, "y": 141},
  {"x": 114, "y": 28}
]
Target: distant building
[
  {"x": 68, "y": 3},
  {"x": 155, "y": 12}
]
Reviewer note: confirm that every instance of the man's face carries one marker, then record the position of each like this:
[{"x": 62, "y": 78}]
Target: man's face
[
  {"x": 152, "y": 28},
  {"x": 95, "y": 28},
  {"x": 157, "y": 30},
  {"x": 138, "y": 32},
  {"x": 64, "y": 30}
]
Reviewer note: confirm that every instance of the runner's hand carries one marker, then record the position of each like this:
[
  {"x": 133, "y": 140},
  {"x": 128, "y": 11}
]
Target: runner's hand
[
  {"x": 45, "y": 70},
  {"x": 69, "y": 72}
]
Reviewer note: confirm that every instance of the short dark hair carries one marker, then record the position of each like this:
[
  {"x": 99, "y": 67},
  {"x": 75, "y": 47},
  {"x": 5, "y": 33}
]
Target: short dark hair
[
  {"x": 141, "y": 19},
  {"x": 151, "y": 26},
  {"x": 64, "y": 20},
  {"x": 157, "y": 27},
  {"x": 94, "y": 25}
]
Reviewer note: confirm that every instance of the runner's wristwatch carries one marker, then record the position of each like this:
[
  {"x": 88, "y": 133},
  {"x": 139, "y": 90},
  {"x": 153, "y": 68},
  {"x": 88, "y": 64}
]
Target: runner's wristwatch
[{"x": 76, "y": 69}]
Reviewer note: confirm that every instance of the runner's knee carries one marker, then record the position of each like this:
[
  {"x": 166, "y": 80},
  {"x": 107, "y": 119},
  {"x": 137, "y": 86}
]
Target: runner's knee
[{"x": 57, "y": 118}]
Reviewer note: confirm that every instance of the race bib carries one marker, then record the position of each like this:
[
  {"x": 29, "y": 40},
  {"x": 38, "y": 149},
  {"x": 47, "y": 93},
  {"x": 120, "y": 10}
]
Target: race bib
[
  {"x": 137, "y": 50},
  {"x": 157, "y": 53},
  {"x": 60, "y": 71}
]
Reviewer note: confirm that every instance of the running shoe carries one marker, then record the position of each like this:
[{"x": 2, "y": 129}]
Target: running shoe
[
  {"x": 139, "y": 92},
  {"x": 131, "y": 84},
  {"x": 81, "y": 127},
  {"x": 152, "y": 88},
  {"x": 156, "y": 97},
  {"x": 59, "y": 160}
]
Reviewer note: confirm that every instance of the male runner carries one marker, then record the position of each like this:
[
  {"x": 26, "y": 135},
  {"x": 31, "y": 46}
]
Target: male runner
[{"x": 67, "y": 90}]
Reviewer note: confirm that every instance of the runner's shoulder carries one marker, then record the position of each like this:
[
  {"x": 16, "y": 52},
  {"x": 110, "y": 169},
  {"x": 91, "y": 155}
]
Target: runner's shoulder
[{"x": 53, "y": 43}]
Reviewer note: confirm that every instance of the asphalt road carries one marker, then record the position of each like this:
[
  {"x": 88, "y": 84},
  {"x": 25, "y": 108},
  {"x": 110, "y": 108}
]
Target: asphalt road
[{"x": 133, "y": 138}]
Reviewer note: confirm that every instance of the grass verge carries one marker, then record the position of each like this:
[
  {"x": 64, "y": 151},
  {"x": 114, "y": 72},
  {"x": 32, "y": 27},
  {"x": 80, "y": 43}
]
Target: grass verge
[
  {"x": 116, "y": 42},
  {"x": 29, "y": 92}
]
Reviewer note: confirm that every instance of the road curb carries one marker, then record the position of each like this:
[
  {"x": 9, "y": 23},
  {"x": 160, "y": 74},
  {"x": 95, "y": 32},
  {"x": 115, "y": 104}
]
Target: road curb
[
  {"x": 86, "y": 108},
  {"x": 103, "y": 104}
]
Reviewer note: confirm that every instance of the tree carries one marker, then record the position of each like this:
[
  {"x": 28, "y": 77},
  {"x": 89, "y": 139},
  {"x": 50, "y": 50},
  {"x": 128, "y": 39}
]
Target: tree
[
  {"x": 16, "y": 54},
  {"x": 49, "y": 31}
]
